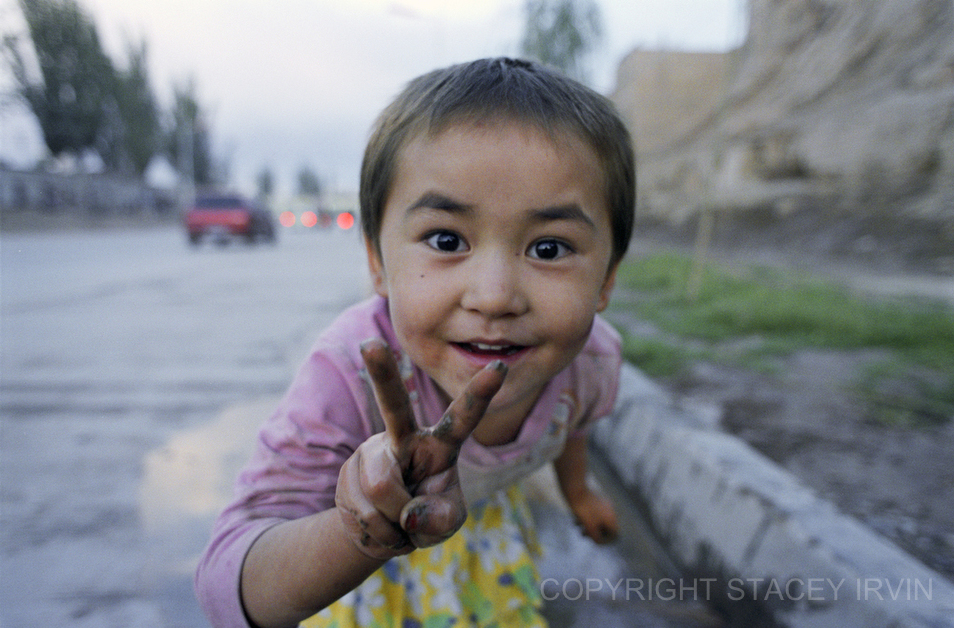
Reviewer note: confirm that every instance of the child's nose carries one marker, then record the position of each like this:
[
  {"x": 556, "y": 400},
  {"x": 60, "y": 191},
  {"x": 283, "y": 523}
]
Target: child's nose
[{"x": 494, "y": 287}]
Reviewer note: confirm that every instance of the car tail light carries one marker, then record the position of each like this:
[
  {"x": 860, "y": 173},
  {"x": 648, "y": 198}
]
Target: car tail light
[
  {"x": 345, "y": 220},
  {"x": 309, "y": 219}
]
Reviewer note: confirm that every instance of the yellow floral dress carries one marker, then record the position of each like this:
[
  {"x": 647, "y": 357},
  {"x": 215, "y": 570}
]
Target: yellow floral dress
[{"x": 484, "y": 576}]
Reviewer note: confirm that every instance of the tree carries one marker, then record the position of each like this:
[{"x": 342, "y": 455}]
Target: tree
[
  {"x": 138, "y": 113},
  {"x": 560, "y": 33},
  {"x": 266, "y": 182},
  {"x": 308, "y": 182},
  {"x": 189, "y": 140},
  {"x": 76, "y": 76}
]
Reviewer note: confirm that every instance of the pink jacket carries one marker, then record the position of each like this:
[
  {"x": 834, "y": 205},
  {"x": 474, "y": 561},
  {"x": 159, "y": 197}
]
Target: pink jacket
[{"x": 329, "y": 410}]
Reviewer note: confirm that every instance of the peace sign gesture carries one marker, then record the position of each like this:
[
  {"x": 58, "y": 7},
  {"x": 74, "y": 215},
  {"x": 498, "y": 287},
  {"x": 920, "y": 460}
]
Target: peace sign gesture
[{"x": 400, "y": 489}]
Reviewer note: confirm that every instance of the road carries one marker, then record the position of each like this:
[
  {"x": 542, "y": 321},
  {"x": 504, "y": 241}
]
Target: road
[
  {"x": 114, "y": 345},
  {"x": 134, "y": 373}
]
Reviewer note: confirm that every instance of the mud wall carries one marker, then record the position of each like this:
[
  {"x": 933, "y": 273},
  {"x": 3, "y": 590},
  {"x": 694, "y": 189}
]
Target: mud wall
[{"x": 839, "y": 108}]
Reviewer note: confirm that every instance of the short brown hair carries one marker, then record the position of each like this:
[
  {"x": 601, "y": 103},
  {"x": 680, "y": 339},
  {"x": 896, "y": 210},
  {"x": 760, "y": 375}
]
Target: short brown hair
[{"x": 518, "y": 90}]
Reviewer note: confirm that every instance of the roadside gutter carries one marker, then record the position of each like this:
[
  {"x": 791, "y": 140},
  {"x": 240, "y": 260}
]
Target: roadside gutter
[{"x": 763, "y": 543}]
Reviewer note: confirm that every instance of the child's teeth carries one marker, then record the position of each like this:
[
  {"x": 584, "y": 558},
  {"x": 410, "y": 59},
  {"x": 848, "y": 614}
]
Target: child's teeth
[{"x": 484, "y": 347}]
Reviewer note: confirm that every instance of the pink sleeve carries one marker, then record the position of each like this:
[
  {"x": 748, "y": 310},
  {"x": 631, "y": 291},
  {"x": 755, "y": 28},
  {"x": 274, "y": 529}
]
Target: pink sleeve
[
  {"x": 318, "y": 424},
  {"x": 596, "y": 375}
]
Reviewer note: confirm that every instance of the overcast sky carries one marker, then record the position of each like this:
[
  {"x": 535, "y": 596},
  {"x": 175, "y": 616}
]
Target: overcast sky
[{"x": 292, "y": 83}]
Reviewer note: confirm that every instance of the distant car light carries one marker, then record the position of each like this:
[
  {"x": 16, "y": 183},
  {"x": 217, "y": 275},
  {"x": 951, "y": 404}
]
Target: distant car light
[
  {"x": 287, "y": 218},
  {"x": 345, "y": 220},
  {"x": 309, "y": 219}
]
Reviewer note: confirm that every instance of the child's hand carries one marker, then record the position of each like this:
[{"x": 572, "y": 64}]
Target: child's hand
[
  {"x": 595, "y": 516},
  {"x": 400, "y": 489}
]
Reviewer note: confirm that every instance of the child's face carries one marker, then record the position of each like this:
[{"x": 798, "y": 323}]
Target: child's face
[{"x": 495, "y": 244}]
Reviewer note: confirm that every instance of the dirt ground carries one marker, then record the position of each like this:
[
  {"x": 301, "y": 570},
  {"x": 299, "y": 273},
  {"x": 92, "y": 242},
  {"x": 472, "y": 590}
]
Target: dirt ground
[{"x": 898, "y": 481}]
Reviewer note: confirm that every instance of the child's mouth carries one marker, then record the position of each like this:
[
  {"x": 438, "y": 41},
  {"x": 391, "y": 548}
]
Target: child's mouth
[{"x": 494, "y": 351}]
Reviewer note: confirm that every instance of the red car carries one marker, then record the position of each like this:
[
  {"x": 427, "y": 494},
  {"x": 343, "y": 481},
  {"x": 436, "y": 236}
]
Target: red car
[{"x": 223, "y": 217}]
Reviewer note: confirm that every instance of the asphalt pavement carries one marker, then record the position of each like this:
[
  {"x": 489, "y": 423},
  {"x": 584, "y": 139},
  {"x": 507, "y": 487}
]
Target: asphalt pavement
[{"x": 117, "y": 346}]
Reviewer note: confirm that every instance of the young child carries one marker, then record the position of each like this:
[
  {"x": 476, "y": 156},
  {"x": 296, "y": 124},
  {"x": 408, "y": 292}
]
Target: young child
[{"x": 497, "y": 199}]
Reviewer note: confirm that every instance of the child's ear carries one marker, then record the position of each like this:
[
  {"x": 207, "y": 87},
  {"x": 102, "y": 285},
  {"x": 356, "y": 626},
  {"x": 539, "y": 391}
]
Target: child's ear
[
  {"x": 607, "y": 288},
  {"x": 376, "y": 267}
]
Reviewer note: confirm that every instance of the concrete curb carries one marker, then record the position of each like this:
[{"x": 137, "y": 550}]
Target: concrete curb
[{"x": 725, "y": 512}]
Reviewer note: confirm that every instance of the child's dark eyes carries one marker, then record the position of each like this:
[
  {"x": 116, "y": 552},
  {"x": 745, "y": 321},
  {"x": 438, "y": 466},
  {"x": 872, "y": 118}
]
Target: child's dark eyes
[
  {"x": 548, "y": 249},
  {"x": 446, "y": 242}
]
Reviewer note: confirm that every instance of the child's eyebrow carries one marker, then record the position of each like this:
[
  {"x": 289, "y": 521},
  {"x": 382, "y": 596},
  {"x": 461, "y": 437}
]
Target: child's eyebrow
[
  {"x": 434, "y": 200},
  {"x": 571, "y": 211}
]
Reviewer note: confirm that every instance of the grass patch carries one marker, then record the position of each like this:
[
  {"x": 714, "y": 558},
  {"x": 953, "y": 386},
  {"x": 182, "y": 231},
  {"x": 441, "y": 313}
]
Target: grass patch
[
  {"x": 768, "y": 313},
  {"x": 656, "y": 357},
  {"x": 902, "y": 395}
]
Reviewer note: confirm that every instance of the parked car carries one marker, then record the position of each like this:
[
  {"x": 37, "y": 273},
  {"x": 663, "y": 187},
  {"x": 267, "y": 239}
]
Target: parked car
[{"x": 223, "y": 217}]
